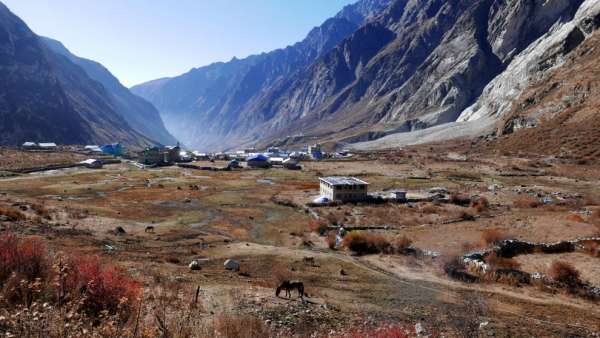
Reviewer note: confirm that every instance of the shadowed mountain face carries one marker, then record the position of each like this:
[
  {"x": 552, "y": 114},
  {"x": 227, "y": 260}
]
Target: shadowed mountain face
[
  {"x": 376, "y": 68},
  {"x": 46, "y": 97},
  {"x": 140, "y": 114}
]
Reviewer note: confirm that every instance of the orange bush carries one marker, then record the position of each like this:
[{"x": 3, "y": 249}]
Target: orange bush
[
  {"x": 492, "y": 236},
  {"x": 364, "y": 243},
  {"x": 575, "y": 218},
  {"x": 564, "y": 272},
  {"x": 401, "y": 243},
  {"x": 480, "y": 204}
]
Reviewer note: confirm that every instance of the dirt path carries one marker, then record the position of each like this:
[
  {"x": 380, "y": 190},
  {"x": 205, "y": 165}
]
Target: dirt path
[{"x": 427, "y": 284}]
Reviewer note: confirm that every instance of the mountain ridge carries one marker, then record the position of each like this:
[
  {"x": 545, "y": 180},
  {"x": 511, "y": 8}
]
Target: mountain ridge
[{"x": 47, "y": 98}]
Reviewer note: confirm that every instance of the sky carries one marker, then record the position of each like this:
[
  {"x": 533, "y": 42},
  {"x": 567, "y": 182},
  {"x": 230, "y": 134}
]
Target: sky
[{"x": 142, "y": 40}]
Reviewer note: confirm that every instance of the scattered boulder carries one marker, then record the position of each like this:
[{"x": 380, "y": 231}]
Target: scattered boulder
[
  {"x": 231, "y": 264},
  {"x": 120, "y": 231},
  {"x": 194, "y": 265},
  {"x": 343, "y": 272}
]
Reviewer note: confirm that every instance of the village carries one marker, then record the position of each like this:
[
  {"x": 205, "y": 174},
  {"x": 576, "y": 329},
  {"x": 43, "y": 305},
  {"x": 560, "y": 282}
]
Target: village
[{"x": 443, "y": 241}]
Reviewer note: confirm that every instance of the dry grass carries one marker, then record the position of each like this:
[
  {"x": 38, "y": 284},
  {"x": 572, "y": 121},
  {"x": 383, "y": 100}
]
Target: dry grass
[
  {"x": 527, "y": 203},
  {"x": 240, "y": 326}
]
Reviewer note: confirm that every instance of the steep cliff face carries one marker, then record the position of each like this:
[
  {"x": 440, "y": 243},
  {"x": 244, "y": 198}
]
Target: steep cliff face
[
  {"x": 140, "y": 114},
  {"x": 45, "y": 97},
  {"x": 204, "y": 105},
  {"x": 534, "y": 62}
]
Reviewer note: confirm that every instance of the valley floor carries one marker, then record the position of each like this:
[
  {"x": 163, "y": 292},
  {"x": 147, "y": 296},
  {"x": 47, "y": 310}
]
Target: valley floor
[{"x": 257, "y": 217}]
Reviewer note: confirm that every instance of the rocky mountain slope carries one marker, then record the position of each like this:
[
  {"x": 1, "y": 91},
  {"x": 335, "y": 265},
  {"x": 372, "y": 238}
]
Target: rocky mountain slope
[
  {"x": 558, "y": 114},
  {"x": 140, "y": 114},
  {"x": 441, "y": 57},
  {"x": 46, "y": 97},
  {"x": 410, "y": 65},
  {"x": 204, "y": 106}
]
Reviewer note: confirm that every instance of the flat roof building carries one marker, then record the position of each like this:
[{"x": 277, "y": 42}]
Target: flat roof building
[{"x": 345, "y": 189}]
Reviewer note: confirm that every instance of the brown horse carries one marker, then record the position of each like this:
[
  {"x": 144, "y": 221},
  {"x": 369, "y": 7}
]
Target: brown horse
[{"x": 288, "y": 286}]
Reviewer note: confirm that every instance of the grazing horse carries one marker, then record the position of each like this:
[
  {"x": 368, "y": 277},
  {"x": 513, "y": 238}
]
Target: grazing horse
[
  {"x": 149, "y": 228},
  {"x": 288, "y": 286}
]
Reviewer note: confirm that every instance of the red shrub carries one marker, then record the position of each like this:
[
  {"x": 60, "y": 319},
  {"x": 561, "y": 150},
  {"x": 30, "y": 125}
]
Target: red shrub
[
  {"x": 564, "y": 272},
  {"x": 25, "y": 257},
  {"x": 105, "y": 287}
]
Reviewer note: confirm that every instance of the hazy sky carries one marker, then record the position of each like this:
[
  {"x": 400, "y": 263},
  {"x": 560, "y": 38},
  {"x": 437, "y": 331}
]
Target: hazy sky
[{"x": 141, "y": 40}]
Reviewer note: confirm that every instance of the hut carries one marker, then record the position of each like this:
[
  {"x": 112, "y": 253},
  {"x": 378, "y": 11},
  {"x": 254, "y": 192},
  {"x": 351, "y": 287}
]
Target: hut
[
  {"x": 92, "y": 163},
  {"x": 258, "y": 161}
]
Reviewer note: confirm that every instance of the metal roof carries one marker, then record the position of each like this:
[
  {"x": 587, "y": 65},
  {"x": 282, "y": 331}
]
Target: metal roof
[{"x": 343, "y": 181}]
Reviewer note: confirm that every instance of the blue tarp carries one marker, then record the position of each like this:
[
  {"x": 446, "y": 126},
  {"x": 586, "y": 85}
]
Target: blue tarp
[{"x": 115, "y": 149}]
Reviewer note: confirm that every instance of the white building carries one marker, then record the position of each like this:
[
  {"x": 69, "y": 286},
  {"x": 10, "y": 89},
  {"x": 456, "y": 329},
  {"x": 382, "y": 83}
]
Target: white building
[
  {"x": 345, "y": 189},
  {"x": 48, "y": 145}
]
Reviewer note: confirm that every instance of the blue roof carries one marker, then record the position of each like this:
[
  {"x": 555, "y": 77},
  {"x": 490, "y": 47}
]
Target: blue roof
[{"x": 257, "y": 157}]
